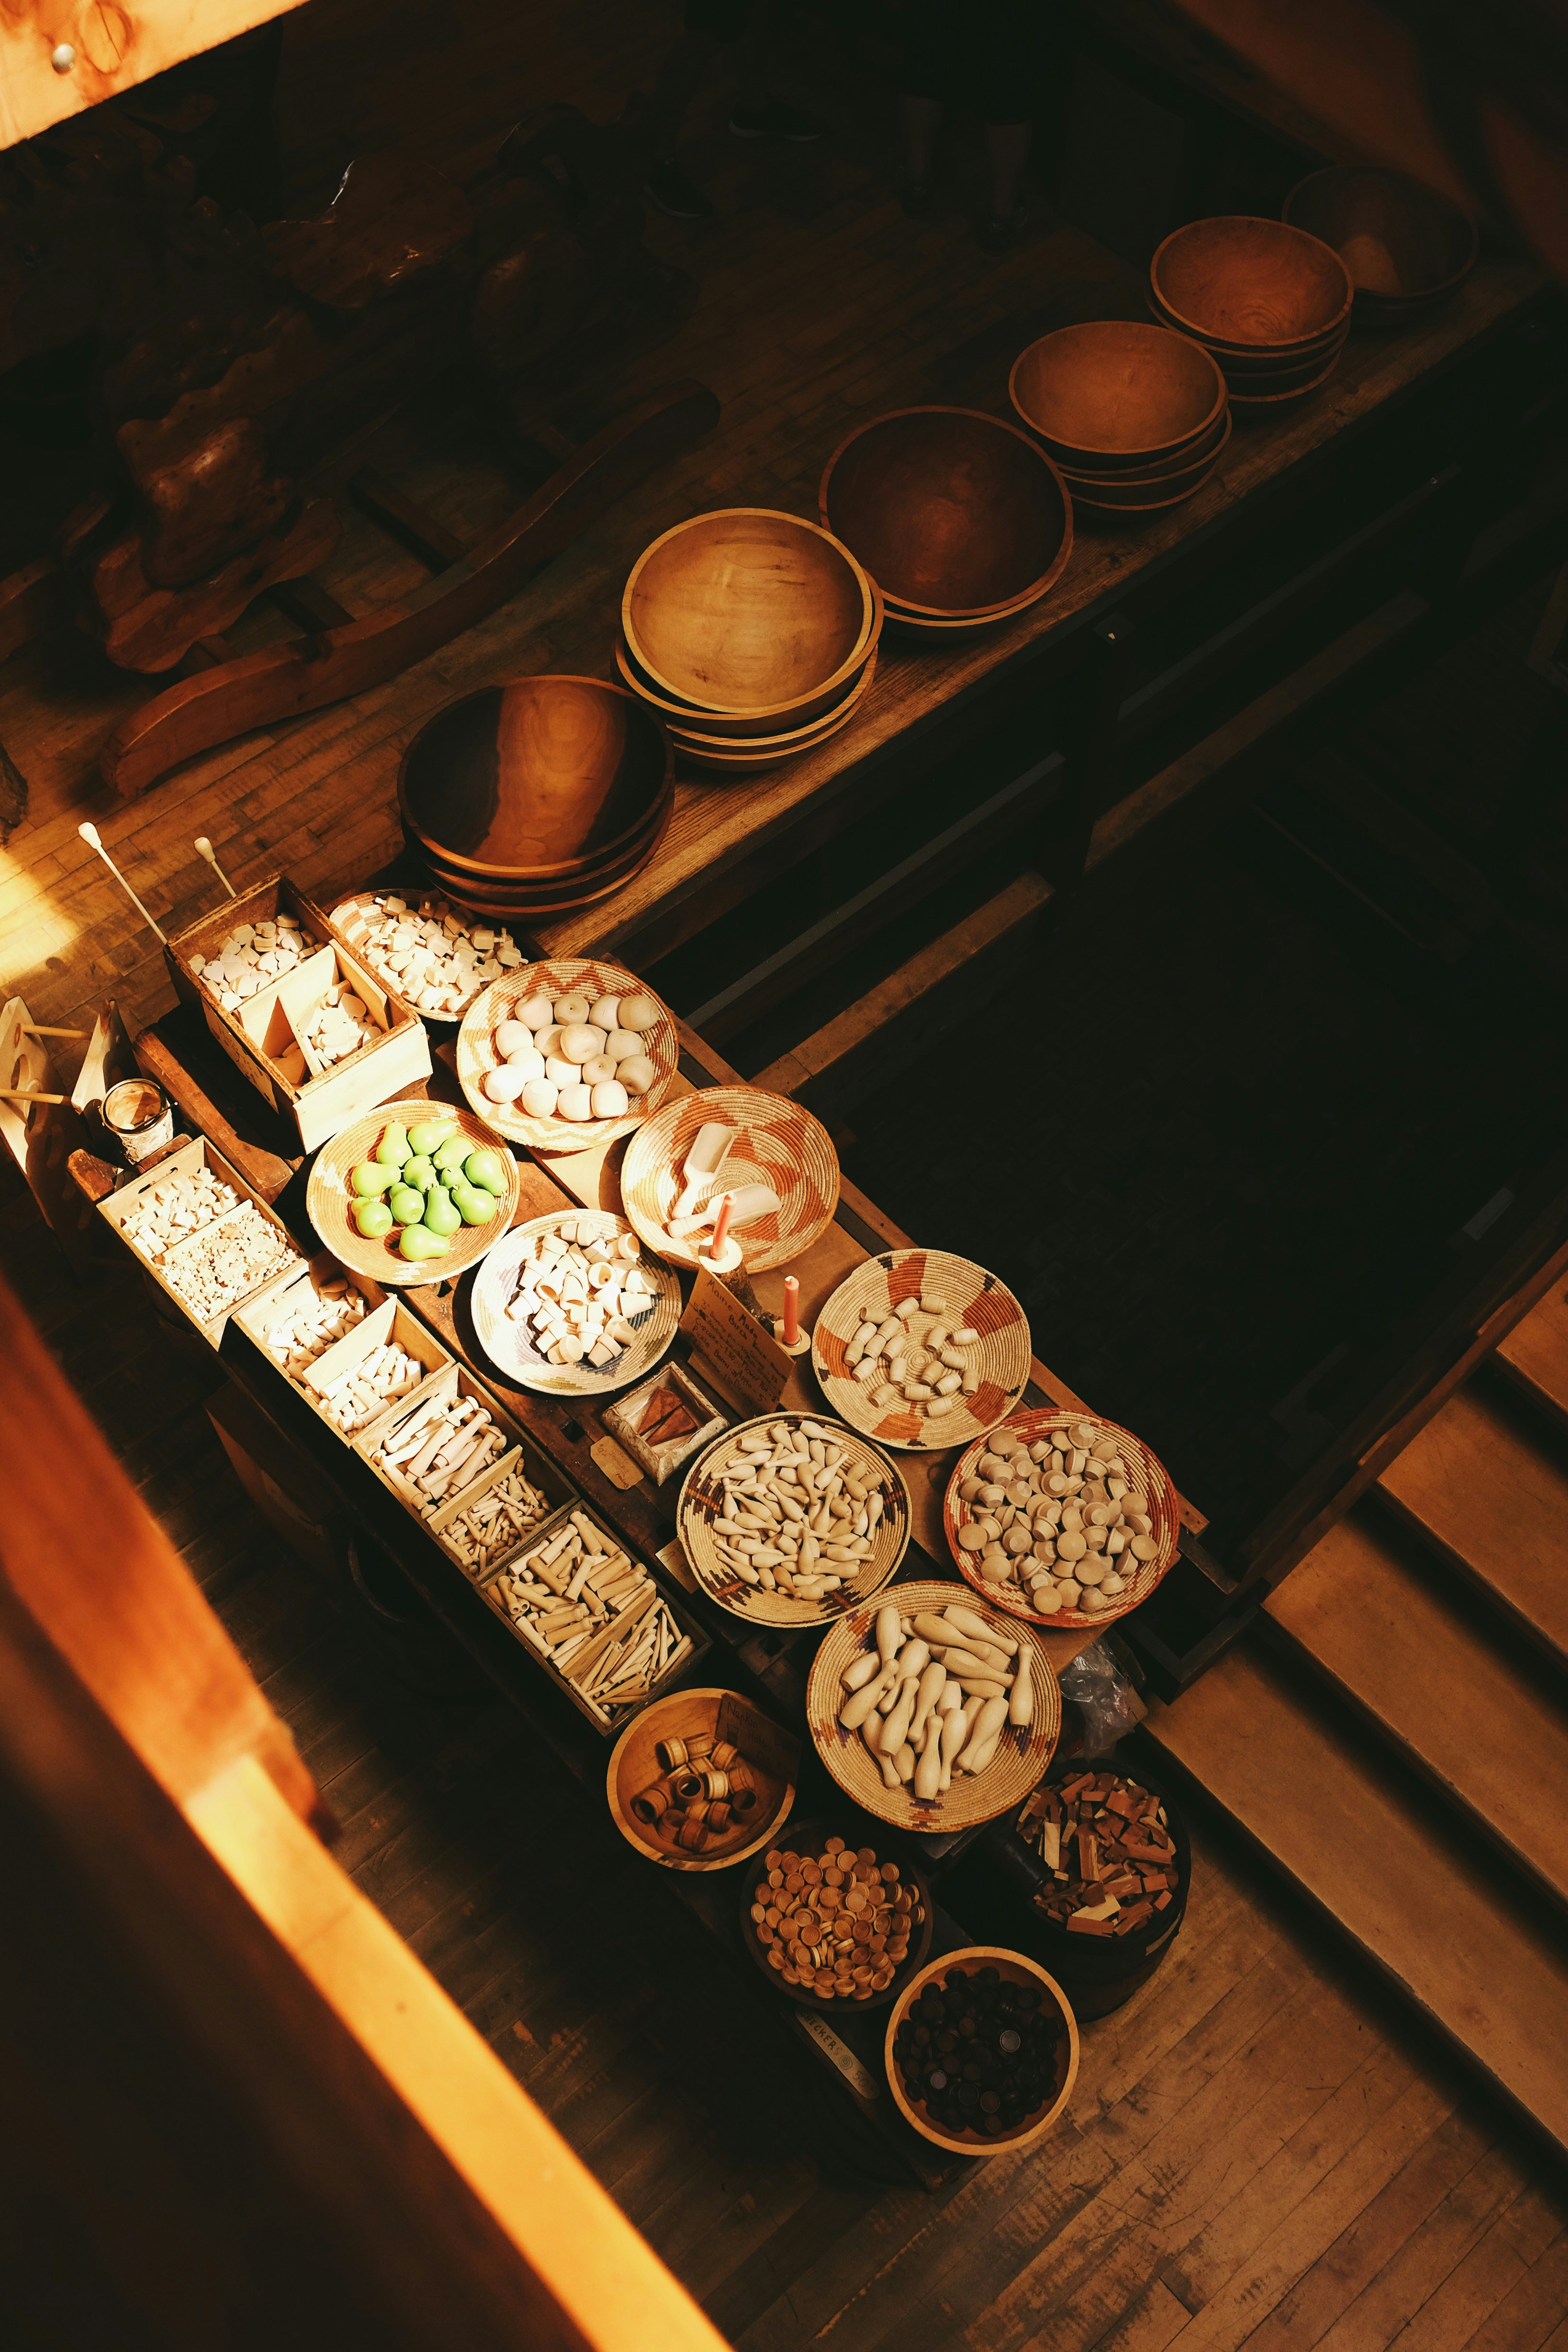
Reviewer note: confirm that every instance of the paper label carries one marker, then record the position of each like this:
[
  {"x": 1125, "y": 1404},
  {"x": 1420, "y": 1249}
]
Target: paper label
[
  {"x": 615, "y": 1462},
  {"x": 859, "y": 2077},
  {"x": 744, "y": 1362}
]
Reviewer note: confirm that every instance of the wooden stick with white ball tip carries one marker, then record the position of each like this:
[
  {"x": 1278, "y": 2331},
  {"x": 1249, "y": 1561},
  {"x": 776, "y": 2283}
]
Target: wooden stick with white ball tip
[
  {"x": 90, "y": 835},
  {"x": 203, "y": 848}
]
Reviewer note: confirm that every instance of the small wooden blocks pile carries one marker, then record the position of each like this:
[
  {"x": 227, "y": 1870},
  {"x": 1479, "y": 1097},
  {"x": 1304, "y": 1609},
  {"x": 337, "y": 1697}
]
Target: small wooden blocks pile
[
  {"x": 211, "y": 1246},
  {"x": 496, "y": 1521},
  {"x": 250, "y": 959},
  {"x": 427, "y": 953},
  {"x": 337, "y": 1026},
  {"x": 1109, "y": 1849},
  {"x": 439, "y": 1449},
  {"x": 706, "y": 1793},
  {"x": 918, "y": 1359},
  {"x": 382, "y": 1375},
  {"x": 578, "y": 1289},
  {"x": 837, "y": 1923},
  {"x": 322, "y": 1317},
  {"x": 594, "y": 1612}
]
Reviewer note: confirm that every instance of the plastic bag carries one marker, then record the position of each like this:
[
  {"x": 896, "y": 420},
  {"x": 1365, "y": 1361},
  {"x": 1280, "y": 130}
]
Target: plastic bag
[{"x": 1107, "y": 1705}]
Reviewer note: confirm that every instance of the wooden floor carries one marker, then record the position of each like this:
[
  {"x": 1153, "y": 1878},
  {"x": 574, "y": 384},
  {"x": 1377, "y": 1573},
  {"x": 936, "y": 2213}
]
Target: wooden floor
[{"x": 1261, "y": 2151}]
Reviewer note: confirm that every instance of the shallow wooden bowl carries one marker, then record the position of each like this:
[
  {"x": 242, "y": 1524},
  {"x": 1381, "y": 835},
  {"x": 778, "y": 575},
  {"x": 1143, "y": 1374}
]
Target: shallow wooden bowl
[
  {"x": 1264, "y": 355},
  {"x": 734, "y": 726},
  {"x": 511, "y": 1345},
  {"x": 1142, "y": 489},
  {"x": 1250, "y": 398},
  {"x": 520, "y": 900},
  {"x": 1020, "y": 1970},
  {"x": 1404, "y": 245},
  {"x": 1249, "y": 282},
  {"x": 778, "y": 1143},
  {"x": 702, "y": 1500},
  {"x": 1276, "y": 382},
  {"x": 869, "y": 1295},
  {"x": 747, "y": 611},
  {"x": 1023, "y": 1753},
  {"x": 953, "y": 512},
  {"x": 540, "y": 780},
  {"x": 566, "y": 976},
  {"x": 1164, "y": 1509},
  {"x": 807, "y": 1840},
  {"x": 329, "y": 1198},
  {"x": 1116, "y": 389},
  {"x": 686, "y": 1714}
]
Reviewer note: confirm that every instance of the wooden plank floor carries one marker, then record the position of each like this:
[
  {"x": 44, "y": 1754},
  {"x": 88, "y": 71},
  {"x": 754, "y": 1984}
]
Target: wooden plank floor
[{"x": 1262, "y": 2150}]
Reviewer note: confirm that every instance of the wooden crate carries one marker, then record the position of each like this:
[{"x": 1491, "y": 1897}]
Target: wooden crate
[
  {"x": 450, "y": 1379},
  {"x": 387, "y": 1317},
  {"x": 259, "y": 1038},
  {"x": 116, "y": 1207}
]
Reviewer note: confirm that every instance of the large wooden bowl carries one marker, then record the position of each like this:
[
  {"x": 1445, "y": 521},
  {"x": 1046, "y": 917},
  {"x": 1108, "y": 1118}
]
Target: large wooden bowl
[
  {"x": 329, "y": 1198},
  {"x": 778, "y": 1143},
  {"x": 701, "y": 1501},
  {"x": 807, "y": 1840},
  {"x": 1249, "y": 282},
  {"x": 869, "y": 1295},
  {"x": 1018, "y": 1968},
  {"x": 1023, "y": 1754},
  {"x": 633, "y": 1766},
  {"x": 518, "y": 902},
  {"x": 1163, "y": 1509},
  {"x": 748, "y": 611},
  {"x": 953, "y": 512},
  {"x": 1404, "y": 245},
  {"x": 1117, "y": 391},
  {"x": 567, "y": 976},
  {"x": 541, "y": 780}
]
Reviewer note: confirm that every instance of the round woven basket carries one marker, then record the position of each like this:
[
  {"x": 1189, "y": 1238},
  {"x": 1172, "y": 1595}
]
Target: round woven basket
[
  {"x": 1022, "y": 1755},
  {"x": 777, "y": 1143},
  {"x": 1020, "y": 1970},
  {"x": 1001, "y": 1355},
  {"x": 511, "y": 1345},
  {"x": 330, "y": 1197},
  {"x": 571, "y": 976},
  {"x": 1164, "y": 1509},
  {"x": 702, "y": 1500}
]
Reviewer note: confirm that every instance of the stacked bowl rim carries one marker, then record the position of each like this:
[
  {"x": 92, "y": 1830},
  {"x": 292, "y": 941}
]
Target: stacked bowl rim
[
  {"x": 684, "y": 720},
  {"x": 1087, "y": 485},
  {"x": 1069, "y": 454},
  {"x": 1216, "y": 340}
]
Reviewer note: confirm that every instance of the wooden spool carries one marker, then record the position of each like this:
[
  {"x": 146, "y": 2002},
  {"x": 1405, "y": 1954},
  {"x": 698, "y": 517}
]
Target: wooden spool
[
  {"x": 329, "y": 1198},
  {"x": 701, "y": 1501},
  {"x": 1405, "y": 245},
  {"x": 1248, "y": 283},
  {"x": 746, "y": 611},
  {"x": 1023, "y": 1754},
  {"x": 511, "y": 1345},
  {"x": 698, "y": 1714},
  {"x": 1117, "y": 391},
  {"x": 570, "y": 976},
  {"x": 1164, "y": 1509},
  {"x": 956, "y": 514},
  {"x": 1020, "y": 1970},
  {"x": 1001, "y": 1355},
  {"x": 808, "y": 1838},
  {"x": 778, "y": 1143}
]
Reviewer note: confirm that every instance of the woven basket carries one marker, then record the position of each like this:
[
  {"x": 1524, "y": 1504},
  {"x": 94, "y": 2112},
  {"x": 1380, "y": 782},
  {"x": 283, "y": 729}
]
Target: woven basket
[
  {"x": 330, "y": 1197},
  {"x": 1164, "y": 1510},
  {"x": 1001, "y": 1355},
  {"x": 1023, "y": 1752},
  {"x": 510, "y": 1346},
  {"x": 477, "y": 1055},
  {"x": 702, "y": 1499},
  {"x": 776, "y": 1143}
]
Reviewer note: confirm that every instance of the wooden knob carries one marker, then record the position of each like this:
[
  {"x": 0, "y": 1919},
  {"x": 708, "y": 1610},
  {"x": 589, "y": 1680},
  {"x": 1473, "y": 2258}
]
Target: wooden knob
[{"x": 63, "y": 58}]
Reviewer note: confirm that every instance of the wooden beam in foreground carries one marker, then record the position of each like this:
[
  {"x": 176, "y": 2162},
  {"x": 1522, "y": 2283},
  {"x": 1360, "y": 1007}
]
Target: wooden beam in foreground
[{"x": 110, "y": 44}]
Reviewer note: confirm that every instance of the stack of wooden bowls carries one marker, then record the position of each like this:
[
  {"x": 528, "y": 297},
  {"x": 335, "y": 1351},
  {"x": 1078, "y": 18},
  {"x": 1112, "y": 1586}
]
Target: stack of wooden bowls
[
  {"x": 1270, "y": 302},
  {"x": 528, "y": 799},
  {"x": 960, "y": 519},
  {"x": 1135, "y": 416},
  {"x": 1404, "y": 245},
  {"x": 752, "y": 635}
]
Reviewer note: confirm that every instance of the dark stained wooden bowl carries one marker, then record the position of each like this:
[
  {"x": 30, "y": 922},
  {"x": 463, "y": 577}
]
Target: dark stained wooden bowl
[
  {"x": 1404, "y": 245},
  {"x": 1250, "y": 283},
  {"x": 953, "y": 512},
  {"x": 1116, "y": 391},
  {"x": 541, "y": 780},
  {"x": 1161, "y": 482},
  {"x": 536, "y": 897},
  {"x": 746, "y": 611},
  {"x": 731, "y": 726}
]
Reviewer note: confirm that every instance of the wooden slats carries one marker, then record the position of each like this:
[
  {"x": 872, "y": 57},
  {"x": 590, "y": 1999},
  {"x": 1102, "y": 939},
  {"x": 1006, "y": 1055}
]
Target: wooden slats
[
  {"x": 1401, "y": 1883},
  {"x": 1534, "y": 1355},
  {"x": 1426, "y": 1674},
  {"x": 1493, "y": 1499}
]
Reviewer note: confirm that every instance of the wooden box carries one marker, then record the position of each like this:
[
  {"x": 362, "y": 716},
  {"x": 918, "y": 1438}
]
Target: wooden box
[
  {"x": 450, "y": 1379},
  {"x": 694, "y": 1643},
  {"x": 116, "y": 1207},
  {"x": 261, "y": 1037},
  {"x": 388, "y": 1319}
]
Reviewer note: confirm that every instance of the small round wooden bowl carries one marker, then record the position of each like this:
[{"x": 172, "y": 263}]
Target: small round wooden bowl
[
  {"x": 1267, "y": 376},
  {"x": 974, "y": 1296},
  {"x": 1117, "y": 391},
  {"x": 698, "y": 1714},
  {"x": 1019, "y": 1970},
  {"x": 543, "y": 780},
  {"x": 747, "y": 610},
  {"x": 1023, "y": 1753},
  {"x": 1164, "y": 1509},
  {"x": 511, "y": 1348},
  {"x": 329, "y": 1198},
  {"x": 1265, "y": 355},
  {"x": 702, "y": 1500},
  {"x": 809, "y": 1840},
  {"x": 687, "y": 719},
  {"x": 709, "y": 744},
  {"x": 570, "y": 976},
  {"x": 1404, "y": 245},
  {"x": 954, "y": 514},
  {"x": 777, "y": 1143},
  {"x": 1249, "y": 282}
]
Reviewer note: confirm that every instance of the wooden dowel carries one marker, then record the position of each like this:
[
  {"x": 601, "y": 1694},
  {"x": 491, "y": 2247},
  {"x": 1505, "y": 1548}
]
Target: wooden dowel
[
  {"x": 21, "y": 1095},
  {"x": 37, "y": 1029}
]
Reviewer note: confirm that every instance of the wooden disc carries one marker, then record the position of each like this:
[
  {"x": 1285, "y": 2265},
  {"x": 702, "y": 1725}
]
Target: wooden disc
[
  {"x": 1001, "y": 1355},
  {"x": 569, "y": 976},
  {"x": 330, "y": 1197},
  {"x": 702, "y": 1499},
  {"x": 778, "y": 1143},
  {"x": 809, "y": 1838}
]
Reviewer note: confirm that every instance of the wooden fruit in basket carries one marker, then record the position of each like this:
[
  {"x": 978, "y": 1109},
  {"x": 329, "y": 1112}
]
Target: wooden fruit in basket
[
  {"x": 1011, "y": 1968},
  {"x": 331, "y": 1196}
]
